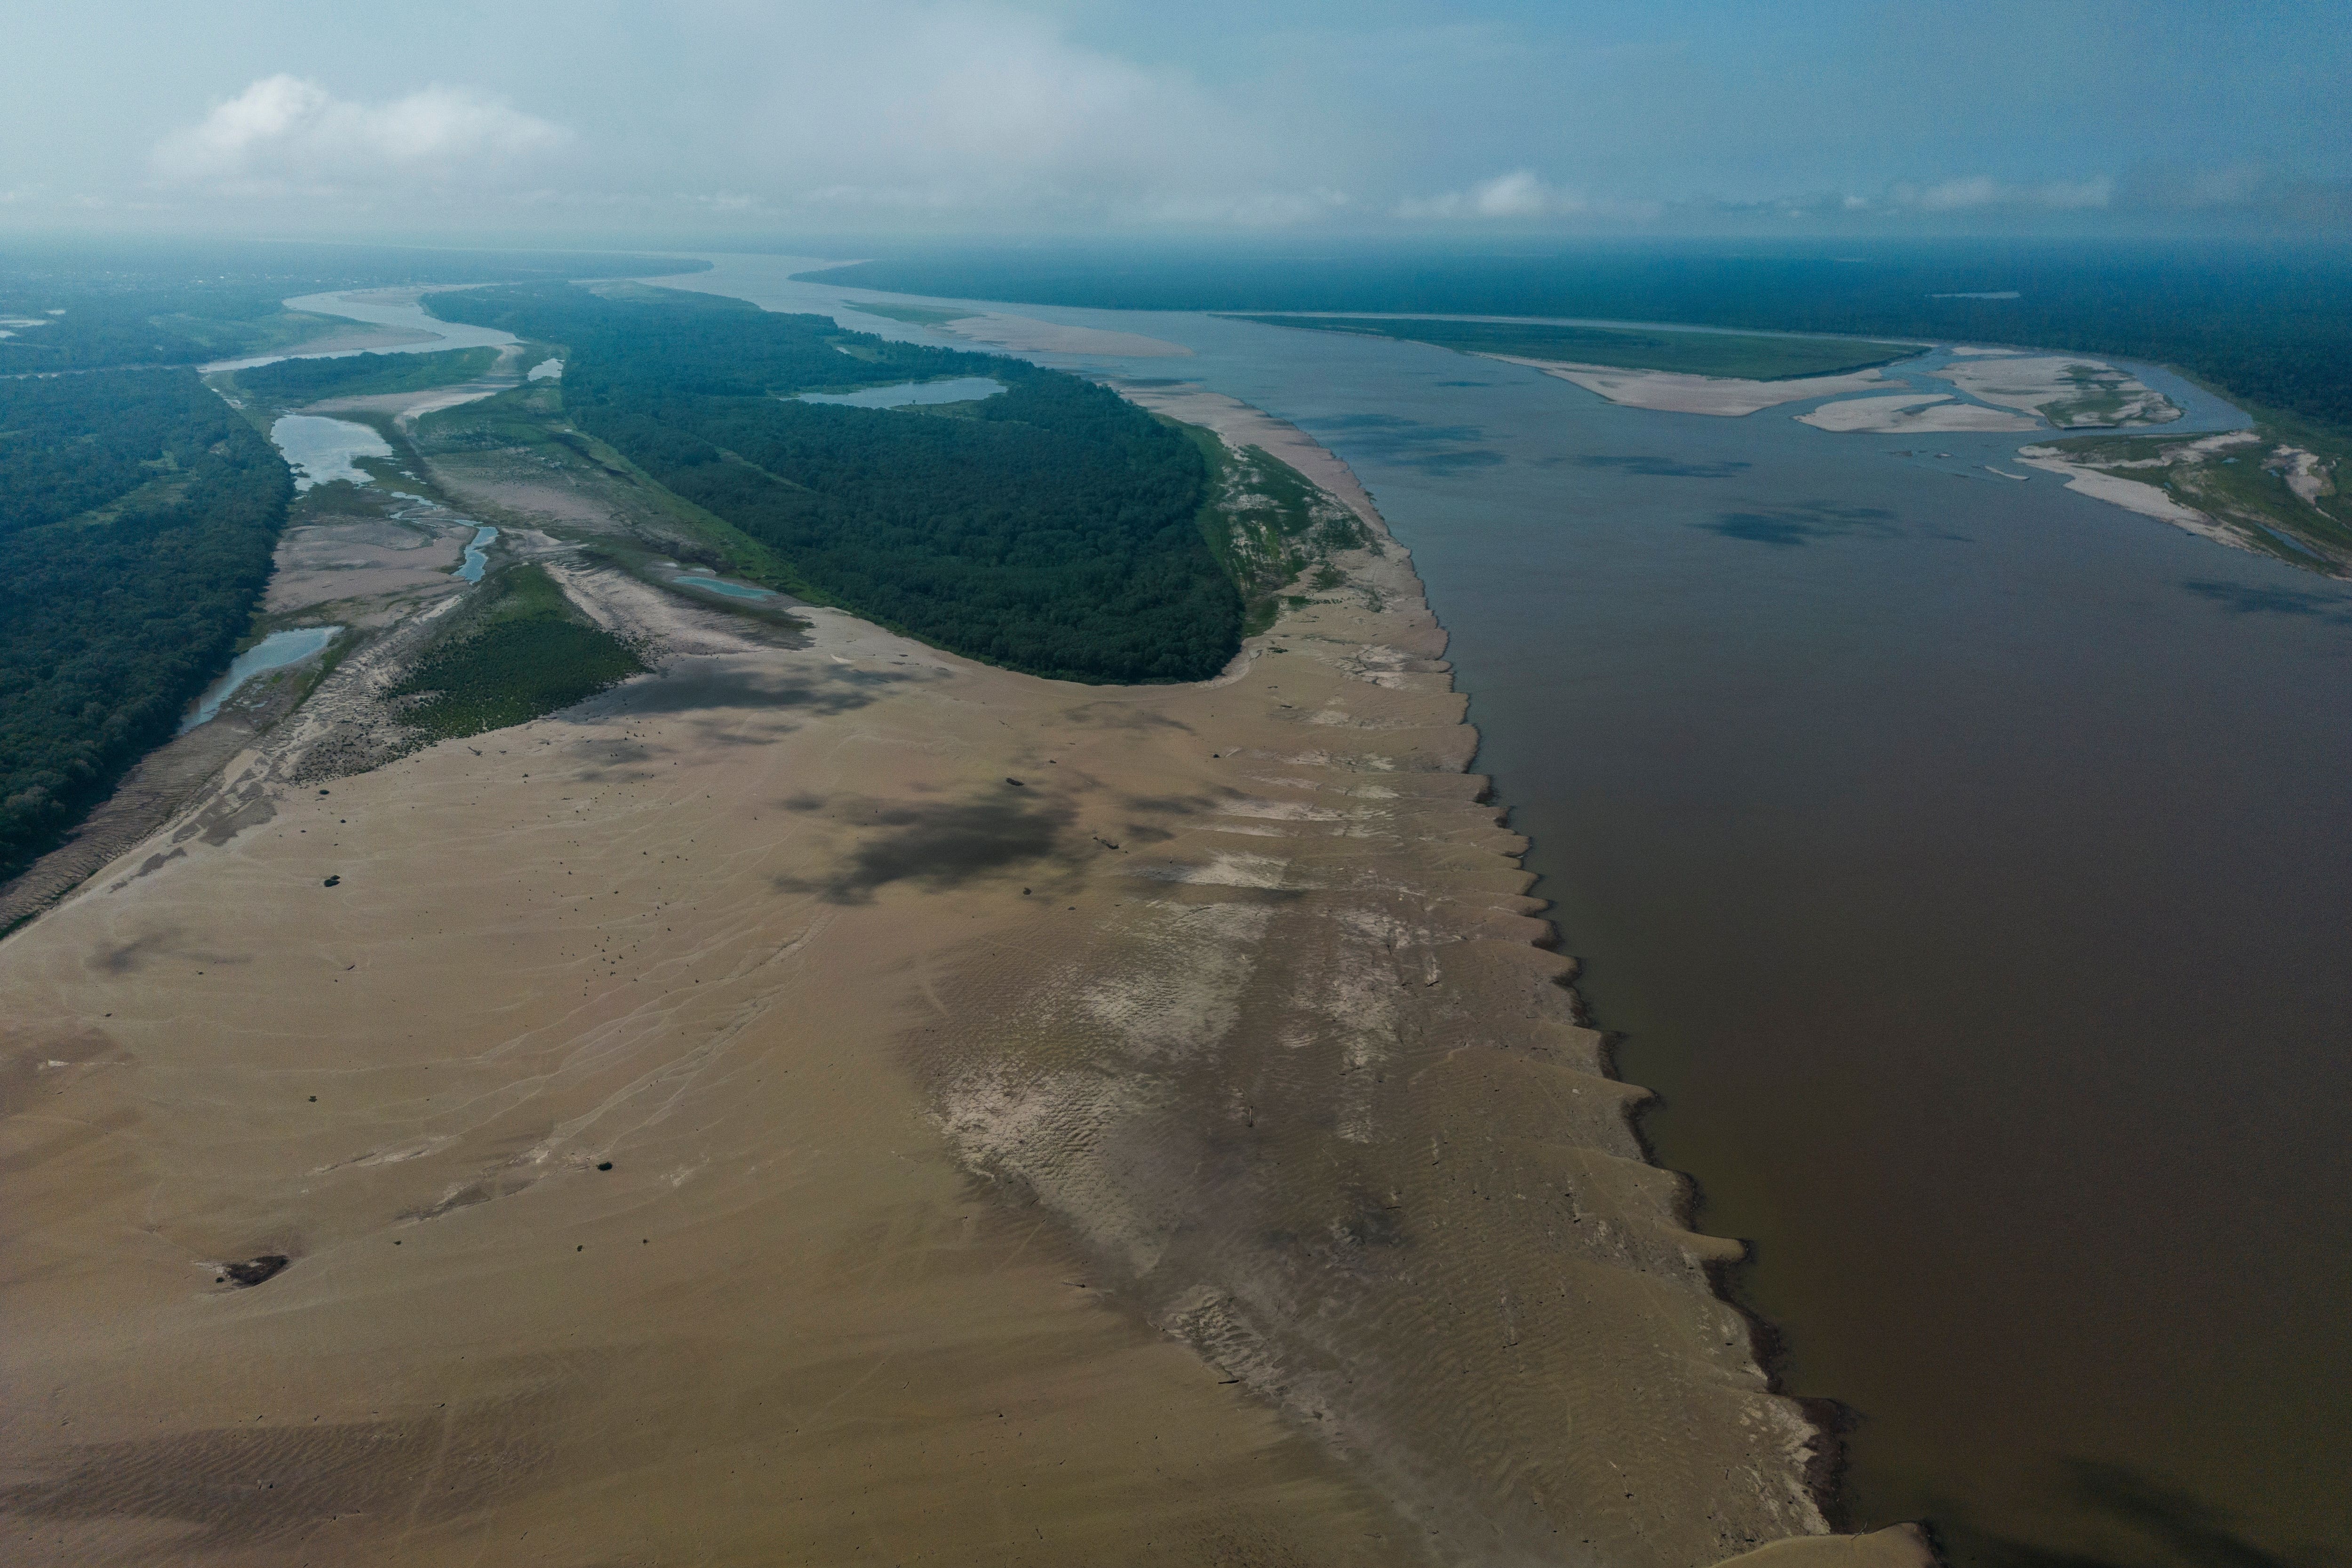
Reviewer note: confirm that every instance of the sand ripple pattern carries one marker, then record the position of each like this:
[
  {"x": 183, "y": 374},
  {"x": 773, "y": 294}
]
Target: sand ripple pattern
[{"x": 1326, "y": 1111}]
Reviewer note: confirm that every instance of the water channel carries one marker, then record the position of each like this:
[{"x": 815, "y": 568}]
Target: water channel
[
  {"x": 1968, "y": 865},
  {"x": 275, "y": 651}
]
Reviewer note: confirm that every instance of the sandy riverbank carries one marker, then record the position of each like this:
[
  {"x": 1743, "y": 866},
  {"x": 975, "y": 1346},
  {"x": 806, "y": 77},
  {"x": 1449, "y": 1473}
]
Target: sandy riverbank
[
  {"x": 2067, "y": 391},
  {"x": 1045, "y": 1122},
  {"x": 1672, "y": 392},
  {"x": 2131, "y": 494},
  {"x": 1921, "y": 412},
  {"x": 1028, "y": 335}
]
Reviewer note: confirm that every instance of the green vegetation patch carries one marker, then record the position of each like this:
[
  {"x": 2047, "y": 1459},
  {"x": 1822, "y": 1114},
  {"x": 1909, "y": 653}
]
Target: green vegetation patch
[
  {"x": 2248, "y": 485},
  {"x": 137, "y": 517},
  {"x": 521, "y": 652},
  {"x": 1051, "y": 528},
  {"x": 293, "y": 383},
  {"x": 1266, "y": 523},
  {"x": 1746, "y": 356}
]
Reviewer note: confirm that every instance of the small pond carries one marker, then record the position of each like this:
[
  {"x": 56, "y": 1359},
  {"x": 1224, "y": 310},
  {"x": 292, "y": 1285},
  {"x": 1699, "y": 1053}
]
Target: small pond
[
  {"x": 477, "y": 553},
  {"x": 957, "y": 389},
  {"x": 720, "y": 585}
]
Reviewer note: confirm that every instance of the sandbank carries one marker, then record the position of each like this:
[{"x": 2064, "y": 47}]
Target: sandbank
[
  {"x": 2068, "y": 391},
  {"x": 1673, "y": 393},
  {"x": 1924, "y": 412},
  {"x": 829, "y": 1099},
  {"x": 1025, "y": 334},
  {"x": 2305, "y": 473},
  {"x": 2128, "y": 494}
]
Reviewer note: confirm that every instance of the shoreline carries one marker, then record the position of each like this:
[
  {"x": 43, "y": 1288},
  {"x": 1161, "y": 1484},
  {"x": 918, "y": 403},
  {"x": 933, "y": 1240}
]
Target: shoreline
[{"x": 1012, "y": 1023}]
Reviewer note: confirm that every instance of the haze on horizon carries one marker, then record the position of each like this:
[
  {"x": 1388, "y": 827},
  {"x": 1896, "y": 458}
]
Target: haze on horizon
[{"x": 711, "y": 120}]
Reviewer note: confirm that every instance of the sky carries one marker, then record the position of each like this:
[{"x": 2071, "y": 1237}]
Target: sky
[{"x": 595, "y": 119}]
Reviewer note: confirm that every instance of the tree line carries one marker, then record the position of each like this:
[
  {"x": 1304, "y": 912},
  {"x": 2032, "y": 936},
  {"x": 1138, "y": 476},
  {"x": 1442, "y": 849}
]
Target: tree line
[{"x": 138, "y": 515}]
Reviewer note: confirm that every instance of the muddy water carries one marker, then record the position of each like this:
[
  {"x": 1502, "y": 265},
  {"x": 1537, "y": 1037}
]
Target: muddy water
[{"x": 1968, "y": 864}]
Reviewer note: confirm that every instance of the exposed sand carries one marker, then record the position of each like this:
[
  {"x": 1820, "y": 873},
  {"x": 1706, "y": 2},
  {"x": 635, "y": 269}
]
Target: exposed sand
[
  {"x": 2304, "y": 473},
  {"x": 361, "y": 558},
  {"x": 1675, "y": 392},
  {"x": 1025, "y": 334},
  {"x": 2066, "y": 390},
  {"x": 1239, "y": 425},
  {"x": 359, "y": 340},
  {"x": 1924, "y": 412},
  {"x": 2128, "y": 494},
  {"x": 1048, "y": 1123}
]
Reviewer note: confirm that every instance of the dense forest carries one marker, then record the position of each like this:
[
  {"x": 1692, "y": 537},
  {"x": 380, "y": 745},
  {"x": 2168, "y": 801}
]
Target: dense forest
[
  {"x": 1051, "y": 528},
  {"x": 2272, "y": 325},
  {"x": 137, "y": 517},
  {"x": 292, "y": 383},
  {"x": 82, "y": 307}
]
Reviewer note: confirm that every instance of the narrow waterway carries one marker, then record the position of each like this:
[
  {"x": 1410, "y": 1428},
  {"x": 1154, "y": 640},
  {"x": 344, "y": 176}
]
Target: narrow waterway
[
  {"x": 275, "y": 651},
  {"x": 1968, "y": 865}
]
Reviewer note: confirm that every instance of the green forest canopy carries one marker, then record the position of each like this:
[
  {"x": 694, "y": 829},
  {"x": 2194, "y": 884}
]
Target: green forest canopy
[
  {"x": 1051, "y": 528},
  {"x": 292, "y": 383},
  {"x": 137, "y": 517}
]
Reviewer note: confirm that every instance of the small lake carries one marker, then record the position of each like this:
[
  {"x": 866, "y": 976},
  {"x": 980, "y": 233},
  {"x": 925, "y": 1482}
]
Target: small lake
[
  {"x": 323, "y": 451},
  {"x": 906, "y": 394},
  {"x": 477, "y": 554},
  {"x": 274, "y": 651},
  {"x": 546, "y": 371},
  {"x": 720, "y": 585}
]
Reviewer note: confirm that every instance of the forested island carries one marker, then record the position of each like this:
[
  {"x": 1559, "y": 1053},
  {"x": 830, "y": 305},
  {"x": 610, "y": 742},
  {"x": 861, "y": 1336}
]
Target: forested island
[
  {"x": 137, "y": 517},
  {"x": 1054, "y": 528},
  {"x": 292, "y": 383},
  {"x": 2264, "y": 323}
]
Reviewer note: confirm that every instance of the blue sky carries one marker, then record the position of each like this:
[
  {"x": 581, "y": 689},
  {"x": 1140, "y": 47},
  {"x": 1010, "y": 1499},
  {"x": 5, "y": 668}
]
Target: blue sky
[{"x": 999, "y": 116}]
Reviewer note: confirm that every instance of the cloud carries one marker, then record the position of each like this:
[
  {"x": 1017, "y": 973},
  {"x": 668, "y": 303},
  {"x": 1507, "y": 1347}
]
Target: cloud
[
  {"x": 1980, "y": 191},
  {"x": 1518, "y": 195},
  {"x": 286, "y": 133},
  {"x": 953, "y": 111}
]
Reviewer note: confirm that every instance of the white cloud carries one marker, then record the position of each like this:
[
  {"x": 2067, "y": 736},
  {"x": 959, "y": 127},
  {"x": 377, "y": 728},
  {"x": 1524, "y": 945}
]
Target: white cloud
[
  {"x": 1521, "y": 196},
  {"x": 963, "y": 112},
  {"x": 1977, "y": 191},
  {"x": 284, "y": 133},
  {"x": 1518, "y": 194}
]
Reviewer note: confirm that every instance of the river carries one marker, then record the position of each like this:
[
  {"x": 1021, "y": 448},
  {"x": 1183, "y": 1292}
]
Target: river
[{"x": 1969, "y": 866}]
